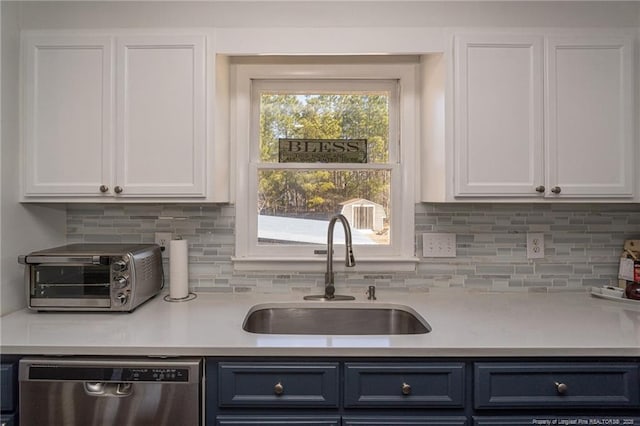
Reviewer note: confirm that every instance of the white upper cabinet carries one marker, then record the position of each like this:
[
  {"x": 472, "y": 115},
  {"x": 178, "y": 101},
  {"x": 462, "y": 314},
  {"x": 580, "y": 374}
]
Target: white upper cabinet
[
  {"x": 110, "y": 118},
  {"x": 67, "y": 117},
  {"x": 539, "y": 117},
  {"x": 590, "y": 104},
  {"x": 161, "y": 116},
  {"x": 498, "y": 115}
]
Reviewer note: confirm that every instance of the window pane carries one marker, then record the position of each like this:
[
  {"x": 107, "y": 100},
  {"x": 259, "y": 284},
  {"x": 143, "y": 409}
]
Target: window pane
[
  {"x": 295, "y": 206},
  {"x": 361, "y": 115}
]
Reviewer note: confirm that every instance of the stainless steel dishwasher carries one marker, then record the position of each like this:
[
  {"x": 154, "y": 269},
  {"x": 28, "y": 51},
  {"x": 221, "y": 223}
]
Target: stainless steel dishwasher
[{"x": 102, "y": 392}]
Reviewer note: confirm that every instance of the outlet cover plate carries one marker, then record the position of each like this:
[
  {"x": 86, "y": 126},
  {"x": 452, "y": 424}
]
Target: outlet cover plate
[
  {"x": 437, "y": 244},
  {"x": 535, "y": 245},
  {"x": 163, "y": 239}
]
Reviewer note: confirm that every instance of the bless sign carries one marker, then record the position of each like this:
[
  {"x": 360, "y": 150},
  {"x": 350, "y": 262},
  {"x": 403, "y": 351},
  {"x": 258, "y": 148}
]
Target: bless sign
[{"x": 322, "y": 151}]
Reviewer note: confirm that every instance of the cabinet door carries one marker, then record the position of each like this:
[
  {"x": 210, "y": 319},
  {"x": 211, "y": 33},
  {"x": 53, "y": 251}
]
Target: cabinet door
[
  {"x": 556, "y": 385},
  {"x": 498, "y": 115},
  {"x": 589, "y": 141},
  {"x": 404, "y": 385},
  {"x": 161, "y": 116},
  {"x": 67, "y": 115},
  {"x": 403, "y": 421},
  {"x": 290, "y": 420},
  {"x": 566, "y": 419},
  {"x": 278, "y": 384}
]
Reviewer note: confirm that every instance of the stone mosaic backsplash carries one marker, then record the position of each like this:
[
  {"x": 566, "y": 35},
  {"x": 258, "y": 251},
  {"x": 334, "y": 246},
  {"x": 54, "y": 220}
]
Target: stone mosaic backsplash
[{"x": 583, "y": 243}]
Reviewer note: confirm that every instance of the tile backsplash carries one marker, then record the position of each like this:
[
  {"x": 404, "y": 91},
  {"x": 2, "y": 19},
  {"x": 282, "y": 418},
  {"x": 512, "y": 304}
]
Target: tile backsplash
[{"x": 583, "y": 243}]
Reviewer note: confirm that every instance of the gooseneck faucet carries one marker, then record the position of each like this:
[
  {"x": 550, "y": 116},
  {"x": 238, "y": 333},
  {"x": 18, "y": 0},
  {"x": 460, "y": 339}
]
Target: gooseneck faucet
[{"x": 329, "y": 286}]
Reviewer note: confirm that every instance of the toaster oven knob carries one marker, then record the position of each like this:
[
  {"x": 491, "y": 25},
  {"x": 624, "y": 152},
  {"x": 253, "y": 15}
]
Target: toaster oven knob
[
  {"x": 120, "y": 282},
  {"x": 122, "y": 298},
  {"x": 119, "y": 265}
]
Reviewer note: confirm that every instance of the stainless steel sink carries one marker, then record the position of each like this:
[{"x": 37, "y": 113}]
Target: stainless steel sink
[{"x": 339, "y": 318}]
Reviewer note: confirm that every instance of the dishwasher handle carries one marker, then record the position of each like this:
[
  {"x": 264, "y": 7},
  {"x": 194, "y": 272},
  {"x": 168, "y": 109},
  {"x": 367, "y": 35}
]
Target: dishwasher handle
[{"x": 103, "y": 389}]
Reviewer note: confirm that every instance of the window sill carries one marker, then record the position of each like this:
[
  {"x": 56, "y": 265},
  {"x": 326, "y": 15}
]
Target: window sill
[{"x": 367, "y": 265}]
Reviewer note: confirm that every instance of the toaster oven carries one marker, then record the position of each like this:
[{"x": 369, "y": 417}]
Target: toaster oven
[{"x": 92, "y": 277}]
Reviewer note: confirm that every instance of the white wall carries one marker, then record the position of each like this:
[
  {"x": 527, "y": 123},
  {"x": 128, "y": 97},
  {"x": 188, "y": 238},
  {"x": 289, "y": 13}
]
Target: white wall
[
  {"x": 23, "y": 228},
  {"x": 234, "y": 14}
]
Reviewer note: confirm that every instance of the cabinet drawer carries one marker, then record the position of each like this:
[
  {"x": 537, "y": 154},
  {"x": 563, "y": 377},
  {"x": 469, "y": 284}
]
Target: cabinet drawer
[
  {"x": 8, "y": 386},
  {"x": 278, "y": 420},
  {"x": 404, "y": 421},
  {"x": 404, "y": 384},
  {"x": 555, "y": 420},
  {"x": 556, "y": 385},
  {"x": 278, "y": 384}
]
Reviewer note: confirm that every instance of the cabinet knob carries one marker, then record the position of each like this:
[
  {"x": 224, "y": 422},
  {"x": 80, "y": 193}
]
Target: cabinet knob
[
  {"x": 540, "y": 189},
  {"x": 406, "y": 389},
  {"x": 278, "y": 389},
  {"x": 117, "y": 189},
  {"x": 561, "y": 388},
  {"x": 556, "y": 189},
  {"x": 104, "y": 188}
]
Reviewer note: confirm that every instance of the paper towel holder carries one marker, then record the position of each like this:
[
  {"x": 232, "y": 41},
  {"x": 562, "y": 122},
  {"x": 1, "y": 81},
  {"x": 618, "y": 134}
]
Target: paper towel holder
[{"x": 189, "y": 296}]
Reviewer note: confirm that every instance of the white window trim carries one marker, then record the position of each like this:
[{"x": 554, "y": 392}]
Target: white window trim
[{"x": 403, "y": 258}]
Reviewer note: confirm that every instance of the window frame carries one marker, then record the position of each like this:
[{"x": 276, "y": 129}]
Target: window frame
[{"x": 399, "y": 255}]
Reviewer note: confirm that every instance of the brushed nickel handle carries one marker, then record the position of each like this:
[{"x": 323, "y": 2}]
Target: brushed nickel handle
[
  {"x": 104, "y": 188},
  {"x": 540, "y": 189},
  {"x": 278, "y": 389},
  {"x": 117, "y": 189},
  {"x": 556, "y": 189},
  {"x": 561, "y": 388},
  {"x": 406, "y": 389}
]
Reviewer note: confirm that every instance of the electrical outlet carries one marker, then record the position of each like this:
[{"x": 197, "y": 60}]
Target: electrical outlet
[
  {"x": 162, "y": 239},
  {"x": 439, "y": 245},
  {"x": 535, "y": 245}
]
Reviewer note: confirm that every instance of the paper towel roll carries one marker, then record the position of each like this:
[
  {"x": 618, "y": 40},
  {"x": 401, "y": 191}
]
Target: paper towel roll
[{"x": 178, "y": 269}]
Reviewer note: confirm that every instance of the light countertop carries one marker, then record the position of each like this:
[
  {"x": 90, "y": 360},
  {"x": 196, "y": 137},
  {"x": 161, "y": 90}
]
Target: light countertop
[{"x": 463, "y": 324}]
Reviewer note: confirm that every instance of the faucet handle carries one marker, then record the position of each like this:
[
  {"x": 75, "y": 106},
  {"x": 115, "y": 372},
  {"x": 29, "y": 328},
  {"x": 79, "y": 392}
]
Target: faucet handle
[{"x": 329, "y": 291}]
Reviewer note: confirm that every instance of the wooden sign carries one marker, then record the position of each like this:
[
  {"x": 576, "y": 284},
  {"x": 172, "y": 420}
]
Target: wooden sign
[{"x": 322, "y": 151}]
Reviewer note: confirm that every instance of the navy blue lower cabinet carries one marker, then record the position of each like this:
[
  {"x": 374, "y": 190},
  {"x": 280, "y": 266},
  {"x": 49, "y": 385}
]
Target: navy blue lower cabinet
[
  {"x": 278, "y": 420},
  {"x": 8, "y": 386},
  {"x": 8, "y": 420},
  {"x": 278, "y": 384},
  {"x": 403, "y": 421},
  {"x": 567, "y": 420},
  {"x": 402, "y": 385},
  {"x": 9, "y": 393},
  {"x": 556, "y": 385}
]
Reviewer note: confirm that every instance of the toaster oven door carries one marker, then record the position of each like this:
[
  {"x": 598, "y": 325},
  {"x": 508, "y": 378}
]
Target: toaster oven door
[{"x": 68, "y": 285}]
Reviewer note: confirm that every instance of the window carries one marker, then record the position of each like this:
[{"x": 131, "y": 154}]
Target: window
[{"x": 314, "y": 141}]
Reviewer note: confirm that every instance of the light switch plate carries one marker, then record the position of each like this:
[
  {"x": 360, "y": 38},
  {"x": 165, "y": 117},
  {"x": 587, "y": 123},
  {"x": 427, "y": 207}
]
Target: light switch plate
[
  {"x": 438, "y": 245},
  {"x": 535, "y": 245}
]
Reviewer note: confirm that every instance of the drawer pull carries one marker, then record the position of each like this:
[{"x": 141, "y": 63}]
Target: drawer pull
[
  {"x": 406, "y": 389},
  {"x": 278, "y": 389},
  {"x": 561, "y": 388}
]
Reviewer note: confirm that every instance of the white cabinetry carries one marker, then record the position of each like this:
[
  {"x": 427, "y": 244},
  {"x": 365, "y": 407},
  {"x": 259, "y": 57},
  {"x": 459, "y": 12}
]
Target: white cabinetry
[
  {"x": 119, "y": 117},
  {"x": 590, "y": 104},
  {"x": 498, "y": 115},
  {"x": 543, "y": 117},
  {"x": 67, "y": 115}
]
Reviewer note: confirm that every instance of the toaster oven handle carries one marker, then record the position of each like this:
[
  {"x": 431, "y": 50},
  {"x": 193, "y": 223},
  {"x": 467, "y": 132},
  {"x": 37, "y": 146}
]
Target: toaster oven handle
[{"x": 85, "y": 260}]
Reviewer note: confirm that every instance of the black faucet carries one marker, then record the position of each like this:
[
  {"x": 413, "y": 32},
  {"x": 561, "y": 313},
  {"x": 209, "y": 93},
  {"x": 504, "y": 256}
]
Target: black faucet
[{"x": 329, "y": 286}]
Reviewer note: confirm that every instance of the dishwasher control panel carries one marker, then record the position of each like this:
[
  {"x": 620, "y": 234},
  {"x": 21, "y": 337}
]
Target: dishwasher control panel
[{"x": 108, "y": 374}]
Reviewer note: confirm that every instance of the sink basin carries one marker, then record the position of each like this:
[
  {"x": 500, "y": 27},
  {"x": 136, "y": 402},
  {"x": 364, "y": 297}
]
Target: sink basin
[{"x": 338, "y": 318}]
